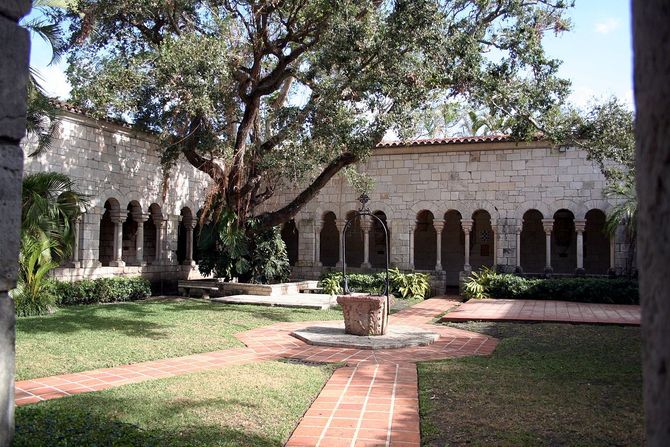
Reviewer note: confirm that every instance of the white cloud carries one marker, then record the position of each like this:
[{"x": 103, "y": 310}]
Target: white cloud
[{"x": 608, "y": 25}]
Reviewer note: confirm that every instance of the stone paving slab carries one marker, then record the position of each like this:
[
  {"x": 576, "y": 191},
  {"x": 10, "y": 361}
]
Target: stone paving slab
[
  {"x": 301, "y": 300},
  {"x": 398, "y": 336},
  {"x": 549, "y": 311}
]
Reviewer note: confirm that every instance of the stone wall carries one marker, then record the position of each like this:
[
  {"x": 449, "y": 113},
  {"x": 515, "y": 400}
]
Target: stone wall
[
  {"x": 502, "y": 178},
  {"x": 468, "y": 193},
  {"x": 14, "y": 54},
  {"x": 109, "y": 161}
]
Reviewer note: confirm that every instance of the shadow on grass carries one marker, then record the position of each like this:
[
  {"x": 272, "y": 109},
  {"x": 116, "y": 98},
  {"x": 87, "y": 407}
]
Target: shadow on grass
[
  {"x": 94, "y": 318},
  {"x": 86, "y": 423}
]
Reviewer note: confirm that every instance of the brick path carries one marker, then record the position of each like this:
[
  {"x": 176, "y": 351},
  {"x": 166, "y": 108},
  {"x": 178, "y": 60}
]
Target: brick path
[
  {"x": 371, "y": 401},
  {"x": 556, "y": 311}
]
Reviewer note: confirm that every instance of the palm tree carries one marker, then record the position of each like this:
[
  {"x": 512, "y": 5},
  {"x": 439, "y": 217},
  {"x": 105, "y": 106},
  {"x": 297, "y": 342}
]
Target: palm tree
[
  {"x": 50, "y": 207},
  {"x": 624, "y": 213},
  {"x": 42, "y": 112}
]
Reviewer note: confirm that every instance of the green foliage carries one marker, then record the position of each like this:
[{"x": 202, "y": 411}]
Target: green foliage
[
  {"x": 488, "y": 284},
  {"x": 251, "y": 254},
  {"x": 410, "y": 285},
  {"x": 49, "y": 208},
  {"x": 475, "y": 285},
  {"x": 103, "y": 290},
  {"x": 32, "y": 295},
  {"x": 331, "y": 283},
  {"x": 260, "y": 95},
  {"x": 404, "y": 285}
]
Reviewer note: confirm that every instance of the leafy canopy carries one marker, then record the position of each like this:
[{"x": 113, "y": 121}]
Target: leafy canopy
[{"x": 261, "y": 95}]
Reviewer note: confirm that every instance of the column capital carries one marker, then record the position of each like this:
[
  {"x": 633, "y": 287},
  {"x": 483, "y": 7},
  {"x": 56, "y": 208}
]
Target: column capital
[
  {"x": 548, "y": 225},
  {"x": 518, "y": 230},
  {"x": 159, "y": 221},
  {"x": 466, "y": 224},
  {"x": 190, "y": 225},
  {"x": 580, "y": 225},
  {"x": 117, "y": 217},
  {"x": 339, "y": 223},
  {"x": 438, "y": 225},
  {"x": 141, "y": 217}
]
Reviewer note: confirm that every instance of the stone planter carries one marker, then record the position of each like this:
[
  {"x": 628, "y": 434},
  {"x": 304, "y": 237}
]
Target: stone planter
[{"x": 364, "y": 314}]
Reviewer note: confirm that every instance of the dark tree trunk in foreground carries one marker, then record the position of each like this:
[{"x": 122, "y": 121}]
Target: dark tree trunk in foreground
[{"x": 651, "y": 28}]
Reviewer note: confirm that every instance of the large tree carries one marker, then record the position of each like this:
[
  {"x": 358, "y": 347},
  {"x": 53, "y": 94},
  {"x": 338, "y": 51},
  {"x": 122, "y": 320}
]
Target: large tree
[{"x": 266, "y": 94}]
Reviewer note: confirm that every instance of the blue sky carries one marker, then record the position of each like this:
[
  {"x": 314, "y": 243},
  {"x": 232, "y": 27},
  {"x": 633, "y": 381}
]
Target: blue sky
[{"x": 596, "y": 54}]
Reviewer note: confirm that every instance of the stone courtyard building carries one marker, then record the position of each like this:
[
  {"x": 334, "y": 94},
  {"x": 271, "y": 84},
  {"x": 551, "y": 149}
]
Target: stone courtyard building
[{"x": 450, "y": 206}]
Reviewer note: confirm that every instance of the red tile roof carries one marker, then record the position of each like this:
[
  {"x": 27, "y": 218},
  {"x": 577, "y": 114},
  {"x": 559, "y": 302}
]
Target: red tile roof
[{"x": 452, "y": 140}]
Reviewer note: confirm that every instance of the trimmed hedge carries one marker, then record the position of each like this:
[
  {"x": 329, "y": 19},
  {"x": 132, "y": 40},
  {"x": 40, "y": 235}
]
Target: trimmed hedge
[
  {"x": 102, "y": 290},
  {"x": 584, "y": 290}
]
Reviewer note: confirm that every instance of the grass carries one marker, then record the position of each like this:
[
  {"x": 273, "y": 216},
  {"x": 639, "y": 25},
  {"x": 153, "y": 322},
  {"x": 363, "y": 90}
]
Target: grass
[
  {"x": 545, "y": 384},
  {"x": 250, "y": 405},
  {"x": 80, "y": 338}
]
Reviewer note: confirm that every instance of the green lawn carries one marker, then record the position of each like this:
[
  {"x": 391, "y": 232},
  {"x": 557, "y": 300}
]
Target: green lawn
[
  {"x": 80, "y": 338},
  {"x": 248, "y": 405},
  {"x": 545, "y": 384}
]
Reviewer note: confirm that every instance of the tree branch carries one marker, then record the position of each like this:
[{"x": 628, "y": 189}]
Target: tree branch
[{"x": 272, "y": 219}]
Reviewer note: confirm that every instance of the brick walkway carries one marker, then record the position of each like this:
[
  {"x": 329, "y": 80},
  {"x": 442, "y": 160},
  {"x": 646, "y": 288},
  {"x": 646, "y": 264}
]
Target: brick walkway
[
  {"x": 372, "y": 401},
  {"x": 554, "y": 311}
]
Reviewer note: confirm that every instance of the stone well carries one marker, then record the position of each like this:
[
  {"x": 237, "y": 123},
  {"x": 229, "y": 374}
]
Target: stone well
[{"x": 364, "y": 314}]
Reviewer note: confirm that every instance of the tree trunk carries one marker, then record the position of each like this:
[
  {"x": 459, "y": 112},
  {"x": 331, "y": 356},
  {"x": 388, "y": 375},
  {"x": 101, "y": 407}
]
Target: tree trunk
[{"x": 651, "y": 30}]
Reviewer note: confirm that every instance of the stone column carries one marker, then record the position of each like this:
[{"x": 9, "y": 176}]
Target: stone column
[
  {"x": 518, "y": 268},
  {"x": 494, "y": 245},
  {"x": 118, "y": 217},
  {"x": 412, "y": 228},
  {"x": 140, "y": 218},
  {"x": 317, "y": 243},
  {"x": 340, "y": 252},
  {"x": 90, "y": 239},
  {"x": 76, "y": 246},
  {"x": 548, "y": 225},
  {"x": 159, "y": 221},
  {"x": 439, "y": 226},
  {"x": 14, "y": 53},
  {"x": 366, "y": 225},
  {"x": 466, "y": 224},
  {"x": 580, "y": 225},
  {"x": 612, "y": 270},
  {"x": 190, "y": 226}
]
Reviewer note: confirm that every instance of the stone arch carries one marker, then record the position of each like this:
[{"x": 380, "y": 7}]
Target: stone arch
[
  {"x": 533, "y": 239},
  {"x": 565, "y": 204},
  {"x": 453, "y": 246},
  {"x": 482, "y": 243},
  {"x": 329, "y": 237},
  {"x": 563, "y": 242},
  {"x": 596, "y": 204},
  {"x": 423, "y": 205},
  {"x": 537, "y": 205},
  {"x": 425, "y": 248},
  {"x": 354, "y": 241},
  {"x": 471, "y": 208},
  {"x": 112, "y": 208},
  {"x": 289, "y": 234},
  {"x": 378, "y": 240},
  {"x": 109, "y": 193},
  {"x": 596, "y": 243}
]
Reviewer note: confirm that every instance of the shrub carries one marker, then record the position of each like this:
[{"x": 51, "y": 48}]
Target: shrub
[
  {"x": 103, "y": 290},
  {"x": 410, "y": 285},
  {"x": 405, "y": 285},
  {"x": 587, "y": 290}
]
